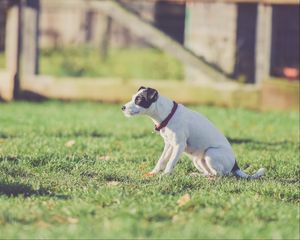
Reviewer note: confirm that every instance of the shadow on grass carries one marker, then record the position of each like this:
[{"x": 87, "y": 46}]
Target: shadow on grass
[
  {"x": 259, "y": 144},
  {"x": 4, "y": 135},
  {"x": 126, "y": 179},
  {"x": 25, "y": 190},
  {"x": 286, "y": 181},
  {"x": 75, "y": 134}
]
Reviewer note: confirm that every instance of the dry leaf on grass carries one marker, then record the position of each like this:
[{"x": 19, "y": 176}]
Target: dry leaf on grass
[
  {"x": 103, "y": 158},
  {"x": 70, "y": 143},
  {"x": 63, "y": 219},
  {"x": 42, "y": 224},
  {"x": 149, "y": 174},
  {"x": 113, "y": 183},
  {"x": 183, "y": 200},
  {"x": 59, "y": 219},
  {"x": 72, "y": 220}
]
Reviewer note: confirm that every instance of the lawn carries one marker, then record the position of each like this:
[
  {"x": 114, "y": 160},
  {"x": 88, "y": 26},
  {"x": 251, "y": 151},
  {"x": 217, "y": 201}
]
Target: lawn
[
  {"x": 75, "y": 169},
  {"x": 2, "y": 60},
  {"x": 126, "y": 63}
]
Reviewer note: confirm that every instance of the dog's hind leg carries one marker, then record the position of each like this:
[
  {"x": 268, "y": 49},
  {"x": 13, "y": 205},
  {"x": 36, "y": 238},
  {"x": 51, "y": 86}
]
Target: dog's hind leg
[
  {"x": 201, "y": 166},
  {"x": 196, "y": 162},
  {"x": 219, "y": 161}
]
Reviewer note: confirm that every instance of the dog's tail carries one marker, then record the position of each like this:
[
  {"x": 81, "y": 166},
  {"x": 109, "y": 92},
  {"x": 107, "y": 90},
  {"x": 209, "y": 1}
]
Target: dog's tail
[{"x": 239, "y": 173}]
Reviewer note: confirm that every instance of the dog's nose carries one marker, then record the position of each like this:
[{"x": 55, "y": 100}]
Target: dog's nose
[{"x": 123, "y": 108}]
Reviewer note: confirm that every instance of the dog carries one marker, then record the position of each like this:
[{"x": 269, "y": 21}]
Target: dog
[{"x": 184, "y": 130}]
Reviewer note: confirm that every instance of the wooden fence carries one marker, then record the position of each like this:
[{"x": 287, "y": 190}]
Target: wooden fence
[{"x": 22, "y": 56}]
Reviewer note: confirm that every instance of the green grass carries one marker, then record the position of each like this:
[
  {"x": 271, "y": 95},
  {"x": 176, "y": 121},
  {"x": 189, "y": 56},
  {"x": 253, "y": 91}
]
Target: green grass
[
  {"x": 121, "y": 63},
  {"x": 127, "y": 64},
  {"x": 2, "y": 60},
  {"x": 96, "y": 188}
]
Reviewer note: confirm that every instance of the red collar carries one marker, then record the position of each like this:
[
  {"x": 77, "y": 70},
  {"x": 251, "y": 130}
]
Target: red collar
[{"x": 166, "y": 121}]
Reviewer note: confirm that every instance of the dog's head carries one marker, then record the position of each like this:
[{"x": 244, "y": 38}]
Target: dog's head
[{"x": 141, "y": 102}]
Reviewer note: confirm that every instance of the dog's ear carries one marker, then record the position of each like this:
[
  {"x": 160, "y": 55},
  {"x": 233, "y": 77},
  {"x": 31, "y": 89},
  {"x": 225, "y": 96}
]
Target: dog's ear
[
  {"x": 152, "y": 94},
  {"x": 142, "y": 87}
]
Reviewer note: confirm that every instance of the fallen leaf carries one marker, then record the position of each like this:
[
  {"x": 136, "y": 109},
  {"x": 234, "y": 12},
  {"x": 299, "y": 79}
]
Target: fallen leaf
[
  {"x": 59, "y": 219},
  {"x": 104, "y": 158},
  {"x": 183, "y": 200},
  {"x": 72, "y": 220},
  {"x": 70, "y": 143},
  {"x": 113, "y": 183},
  {"x": 42, "y": 224},
  {"x": 64, "y": 219},
  {"x": 149, "y": 174}
]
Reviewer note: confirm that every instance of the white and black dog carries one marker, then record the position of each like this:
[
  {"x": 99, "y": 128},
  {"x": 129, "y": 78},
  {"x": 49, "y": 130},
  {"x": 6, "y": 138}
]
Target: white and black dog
[{"x": 184, "y": 130}]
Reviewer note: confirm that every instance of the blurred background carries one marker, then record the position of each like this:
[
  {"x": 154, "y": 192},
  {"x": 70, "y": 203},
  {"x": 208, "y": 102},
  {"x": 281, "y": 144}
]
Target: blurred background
[{"x": 235, "y": 53}]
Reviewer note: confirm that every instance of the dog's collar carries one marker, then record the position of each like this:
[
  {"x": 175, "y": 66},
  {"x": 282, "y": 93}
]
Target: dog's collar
[{"x": 166, "y": 121}]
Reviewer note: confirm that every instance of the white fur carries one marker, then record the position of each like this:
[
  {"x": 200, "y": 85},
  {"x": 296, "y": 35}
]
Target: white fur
[{"x": 192, "y": 133}]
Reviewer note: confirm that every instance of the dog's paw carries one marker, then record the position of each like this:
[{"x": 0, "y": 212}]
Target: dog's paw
[{"x": 149, "y": 174}]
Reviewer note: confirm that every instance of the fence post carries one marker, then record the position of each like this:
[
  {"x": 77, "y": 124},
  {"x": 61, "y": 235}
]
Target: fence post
[
  {"x": 104, "y": 45},
  {"x": 30, "y": 49},
  {"x": 263, "y": 42},
  {"x": 11, "y": 85}
]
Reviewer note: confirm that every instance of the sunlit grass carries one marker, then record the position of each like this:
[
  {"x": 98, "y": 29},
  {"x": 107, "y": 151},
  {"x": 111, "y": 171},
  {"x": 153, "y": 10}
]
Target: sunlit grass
[
  {"x": 129, "y": 63},
  {"x": 2, "y": 60},
  {"x": 95, "y": 188},
  {"x": 126, "y": 64}
]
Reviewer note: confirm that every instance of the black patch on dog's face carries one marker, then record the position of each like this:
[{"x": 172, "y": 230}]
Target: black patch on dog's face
[{"x": 146, "y": 97}]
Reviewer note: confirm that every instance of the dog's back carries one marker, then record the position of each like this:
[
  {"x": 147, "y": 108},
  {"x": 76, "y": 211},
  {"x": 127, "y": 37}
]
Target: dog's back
[{"x": 201, "y": 132}]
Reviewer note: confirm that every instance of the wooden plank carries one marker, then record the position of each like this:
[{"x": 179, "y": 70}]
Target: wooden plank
[
  {"x": 280, "y": 94},
  {"x": 9, "y": 88},
  {"x": 6, "y": 86},
  {"x": 70, "y": 3},
  {"x": 263, "y": 43},
  {"x": 274, "y": 94},
  {"x": 104, "y": 45},
  {"x": 117, "y": 91},
  {"x": 240, "y": 1}
]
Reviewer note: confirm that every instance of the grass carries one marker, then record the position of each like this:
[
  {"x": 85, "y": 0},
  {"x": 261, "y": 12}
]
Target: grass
[
  {"x": 129, "y": 63},
  {"x": 126, "y": 64},
  {"x": 95, "y": 188},
  {"x": 2, "y": 60}
]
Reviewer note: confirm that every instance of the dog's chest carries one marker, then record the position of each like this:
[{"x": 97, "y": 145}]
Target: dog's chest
[{"x": 167, "y": 135}]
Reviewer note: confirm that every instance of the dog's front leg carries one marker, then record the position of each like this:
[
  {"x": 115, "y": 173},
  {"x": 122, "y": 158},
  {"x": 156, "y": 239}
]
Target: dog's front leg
[
  {"x": 177, "y": 151},
  {"x": 162, "y": 162}
]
